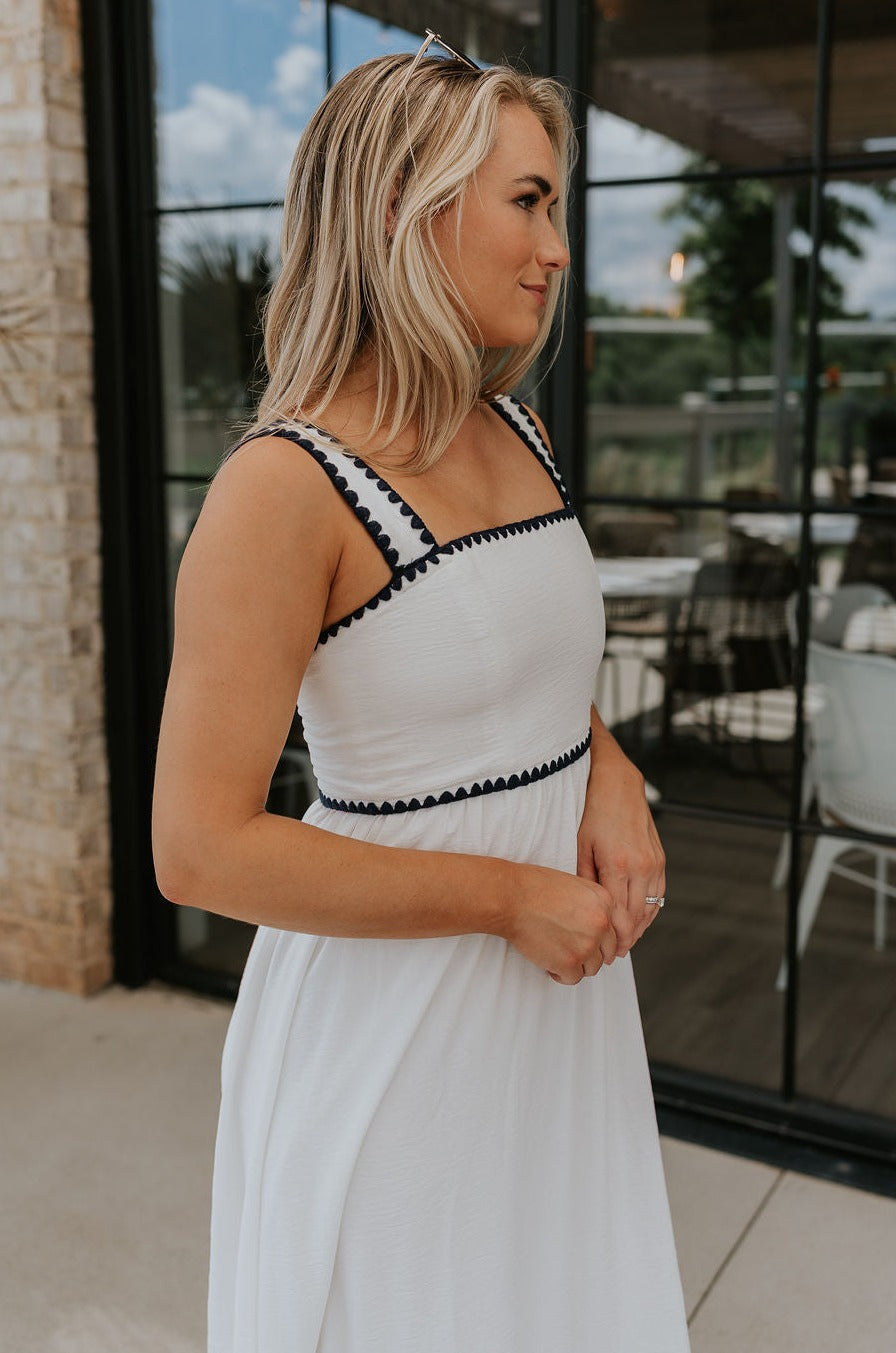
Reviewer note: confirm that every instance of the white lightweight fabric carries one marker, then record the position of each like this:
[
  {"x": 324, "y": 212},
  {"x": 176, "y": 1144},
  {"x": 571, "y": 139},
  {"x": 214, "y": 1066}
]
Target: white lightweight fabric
[{"x": 429, "y": 1144}]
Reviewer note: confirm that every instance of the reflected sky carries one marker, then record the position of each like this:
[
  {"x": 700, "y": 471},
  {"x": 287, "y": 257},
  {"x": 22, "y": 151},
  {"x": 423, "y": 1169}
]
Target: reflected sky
[
  {"x": 235, "y": 84},
  {"x": 238, "y": 79}
]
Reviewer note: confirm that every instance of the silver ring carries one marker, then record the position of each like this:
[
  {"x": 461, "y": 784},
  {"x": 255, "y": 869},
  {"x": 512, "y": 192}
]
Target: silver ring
[{"x": 655, "y": 901}]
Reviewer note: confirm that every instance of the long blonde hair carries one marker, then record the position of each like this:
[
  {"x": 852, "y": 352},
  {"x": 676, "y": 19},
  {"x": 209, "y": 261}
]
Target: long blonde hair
[{"x": 392, "y": 145}]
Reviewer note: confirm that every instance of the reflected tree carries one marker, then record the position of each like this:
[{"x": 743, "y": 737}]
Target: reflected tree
[
  {"x": 221, "y": 284},
  {"x": 731, "y": 236}
]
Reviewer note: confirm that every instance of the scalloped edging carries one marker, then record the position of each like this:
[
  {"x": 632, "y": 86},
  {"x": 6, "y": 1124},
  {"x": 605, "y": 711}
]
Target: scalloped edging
[
  {"x": 533, "y": 441},
  {"x": 473, "y": 791},
  {"x": 383, "y": 485},
  {"x": 408, "y": 572},
  {"x": 373, "y": 528}
]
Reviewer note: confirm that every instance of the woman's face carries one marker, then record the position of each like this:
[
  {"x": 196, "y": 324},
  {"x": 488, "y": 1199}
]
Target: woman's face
[{"x": 507, "y": 246}]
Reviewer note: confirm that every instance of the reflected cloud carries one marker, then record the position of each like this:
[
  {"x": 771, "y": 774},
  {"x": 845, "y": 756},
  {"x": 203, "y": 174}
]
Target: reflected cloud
[
  {"x": 298, "y": 79},
  {"x": 222, "y": 147},
  {"x": 629, "y": 249},
  {"x": 619, "y": 149}
]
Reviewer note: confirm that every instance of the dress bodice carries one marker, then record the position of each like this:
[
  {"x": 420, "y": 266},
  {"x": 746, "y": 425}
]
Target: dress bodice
[{"x": 409, "y": 698}]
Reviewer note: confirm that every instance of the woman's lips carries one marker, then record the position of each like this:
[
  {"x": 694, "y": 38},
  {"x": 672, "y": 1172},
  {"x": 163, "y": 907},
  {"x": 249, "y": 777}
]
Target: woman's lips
[{"x": 538, "y": 291}]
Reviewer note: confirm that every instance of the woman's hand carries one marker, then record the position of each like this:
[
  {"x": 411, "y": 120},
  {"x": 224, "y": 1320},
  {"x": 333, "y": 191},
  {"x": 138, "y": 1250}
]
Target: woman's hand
[
  {"x": 560, "y": 923},
  {"x": 618, "y": 845}
]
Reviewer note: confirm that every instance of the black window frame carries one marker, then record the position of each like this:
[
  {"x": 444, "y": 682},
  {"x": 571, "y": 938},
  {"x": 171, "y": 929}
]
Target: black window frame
[{"x": 119, "y": 107}]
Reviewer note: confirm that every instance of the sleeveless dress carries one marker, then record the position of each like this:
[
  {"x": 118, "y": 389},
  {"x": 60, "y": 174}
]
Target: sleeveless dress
[{"x": 427, "y": 1145}]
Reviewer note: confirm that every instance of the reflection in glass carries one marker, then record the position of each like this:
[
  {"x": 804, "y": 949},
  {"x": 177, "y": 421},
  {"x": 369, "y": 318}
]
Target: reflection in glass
[
  {"x": 706, "y": 968},
  {"x": 871, "y": 555},
  {"x": 217, "y": 943},
  {"x": 216, "y": 269},
  {"x": 357, "y": 37},
  {"x": 695, "y": 339},
  {"x": 236, "y": 82},
  {"x": 864, "y": 51},
  {"x": 488, "y": 33},
  {"x": 730, "y": 82},
  {"x": 856, "y": 459},
  {"x": 696, "y": 681},
  {"x": 847, "y": 889}
]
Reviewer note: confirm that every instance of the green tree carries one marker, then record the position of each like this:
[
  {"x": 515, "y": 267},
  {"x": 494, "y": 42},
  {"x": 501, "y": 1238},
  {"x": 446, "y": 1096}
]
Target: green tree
[{"x": 731, "y": 235}]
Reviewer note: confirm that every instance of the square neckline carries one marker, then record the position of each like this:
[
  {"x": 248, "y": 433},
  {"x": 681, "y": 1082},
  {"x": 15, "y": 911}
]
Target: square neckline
[{"x": 534, "y": 445}]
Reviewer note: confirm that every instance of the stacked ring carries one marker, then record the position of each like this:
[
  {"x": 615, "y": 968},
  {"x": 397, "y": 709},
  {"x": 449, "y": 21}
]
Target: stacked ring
[{"x": 655, "y": 901}]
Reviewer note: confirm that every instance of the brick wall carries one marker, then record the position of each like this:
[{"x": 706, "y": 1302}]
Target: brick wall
[{"x": 54, "y": 844}]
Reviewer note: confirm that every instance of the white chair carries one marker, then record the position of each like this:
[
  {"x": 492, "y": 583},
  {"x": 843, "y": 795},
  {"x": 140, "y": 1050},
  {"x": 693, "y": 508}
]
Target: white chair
[
  {"x": 852, "y": 737},
  {"x": 830, "y": 614}
]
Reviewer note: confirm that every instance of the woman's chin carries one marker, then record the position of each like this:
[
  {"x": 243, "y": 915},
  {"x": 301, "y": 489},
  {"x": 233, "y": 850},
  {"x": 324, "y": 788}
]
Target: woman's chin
[{"x": 519, "y": 336}]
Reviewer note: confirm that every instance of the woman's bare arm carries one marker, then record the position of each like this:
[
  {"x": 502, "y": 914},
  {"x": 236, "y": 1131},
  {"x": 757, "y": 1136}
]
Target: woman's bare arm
[{"x": 251, "y": 597}]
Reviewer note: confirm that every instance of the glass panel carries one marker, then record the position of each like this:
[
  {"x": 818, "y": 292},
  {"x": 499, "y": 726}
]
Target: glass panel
[
  {"x": 679, "y": 86},
  {"x": 215, "y": 268},
  {"x": 492, "y": 32},
  {"x": 694, "y": 343},
  {"x": 696, "y": 678},
  {"x": 848, "y": 968},
  {"x": 215, "y": 942},
  {"x": 236, "y": 83},
  {"x": 870, "y": 557},
  {"x": 857, "y": 408},
  {"x": 863, "y": 114},
  {"x": 706, "y": 969},
  {"x": 358, "y": 37}
]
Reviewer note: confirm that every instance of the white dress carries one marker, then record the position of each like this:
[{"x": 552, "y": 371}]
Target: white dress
[{"x": 429, "y": 1146}]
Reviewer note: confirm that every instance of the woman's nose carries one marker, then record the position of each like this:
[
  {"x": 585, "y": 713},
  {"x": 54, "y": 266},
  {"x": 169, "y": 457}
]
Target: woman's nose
[{"x": 552, "y": 252}]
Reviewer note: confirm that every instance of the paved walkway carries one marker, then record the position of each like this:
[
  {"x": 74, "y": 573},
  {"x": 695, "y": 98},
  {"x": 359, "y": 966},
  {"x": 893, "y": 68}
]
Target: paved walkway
[{"x": 107, "y": 1122}]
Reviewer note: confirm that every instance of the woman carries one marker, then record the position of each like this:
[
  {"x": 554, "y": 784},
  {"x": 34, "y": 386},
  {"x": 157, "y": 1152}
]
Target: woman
[{"x": 425, "y": 1142}]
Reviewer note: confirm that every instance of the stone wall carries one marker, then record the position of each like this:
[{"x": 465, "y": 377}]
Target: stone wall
[{"x": 55, "y": 901}]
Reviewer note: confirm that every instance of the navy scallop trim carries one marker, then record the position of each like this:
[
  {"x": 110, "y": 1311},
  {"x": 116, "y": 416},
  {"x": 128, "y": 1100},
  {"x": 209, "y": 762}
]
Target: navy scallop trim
[
  {"x": 534, "y": 443},
  {"x": 474, "y": 791},
  {"x": 394, "y": 497},
  {"x": 373, "y": 528},
  {"x": 408, "y": 572}
]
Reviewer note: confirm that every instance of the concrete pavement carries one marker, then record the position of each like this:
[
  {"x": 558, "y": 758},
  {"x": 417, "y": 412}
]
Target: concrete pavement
[{"x": 107, "y": 1124}]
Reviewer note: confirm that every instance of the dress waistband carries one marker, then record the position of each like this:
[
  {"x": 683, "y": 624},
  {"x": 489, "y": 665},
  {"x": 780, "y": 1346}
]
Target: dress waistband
[{"x": 472, "y": 791}]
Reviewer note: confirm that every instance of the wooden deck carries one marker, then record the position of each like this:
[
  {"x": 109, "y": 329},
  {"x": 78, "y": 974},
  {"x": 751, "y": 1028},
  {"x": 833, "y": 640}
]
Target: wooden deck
[{"x": 706, "y": 974}]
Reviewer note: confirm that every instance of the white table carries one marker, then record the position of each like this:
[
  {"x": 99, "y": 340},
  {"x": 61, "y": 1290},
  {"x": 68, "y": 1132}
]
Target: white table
[
  {"x": 881, "y": 488},
  {"x": 779, "y": 528},
  {"x": 647, "y": 575},
  {"x": 667, "y": 580}
]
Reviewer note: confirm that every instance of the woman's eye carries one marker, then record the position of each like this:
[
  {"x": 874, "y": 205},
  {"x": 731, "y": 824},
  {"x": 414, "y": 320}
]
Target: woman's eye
[{"x": 528, "y": 201}]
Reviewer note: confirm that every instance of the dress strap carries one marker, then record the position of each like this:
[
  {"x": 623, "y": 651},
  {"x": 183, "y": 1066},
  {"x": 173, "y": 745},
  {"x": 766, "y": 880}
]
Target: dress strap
[
  {"x": 392, "y": 524},
  {"x": 517, "y": 416}
]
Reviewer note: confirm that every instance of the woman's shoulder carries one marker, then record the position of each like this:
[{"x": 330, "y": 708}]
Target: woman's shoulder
[{"x": 268, "y": 484}]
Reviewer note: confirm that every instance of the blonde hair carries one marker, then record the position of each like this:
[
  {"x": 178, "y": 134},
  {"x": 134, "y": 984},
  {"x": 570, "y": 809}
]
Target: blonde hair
[{"x": 395, "y": 143}]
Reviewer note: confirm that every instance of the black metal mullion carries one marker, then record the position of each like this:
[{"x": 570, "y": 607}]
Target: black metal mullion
[
  {"x": 328, "y": 42},
  {"x": 118, "y": 93},
  {"x": 203, "y": 208},
  {"x": 810, "y": 430},
  {"x": 791, "y": 170},
  {"x": 668, "y": 501},
  {"x": 566, "y": 45}
]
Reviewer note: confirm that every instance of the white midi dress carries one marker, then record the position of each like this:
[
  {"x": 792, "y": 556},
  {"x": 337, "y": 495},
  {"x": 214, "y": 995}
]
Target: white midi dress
[{"x": 429, "y": 1146}]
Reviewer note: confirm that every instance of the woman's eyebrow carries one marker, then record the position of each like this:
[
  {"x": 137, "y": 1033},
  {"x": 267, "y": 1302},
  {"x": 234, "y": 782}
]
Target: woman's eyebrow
[{"x": 543, "y": 186}]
